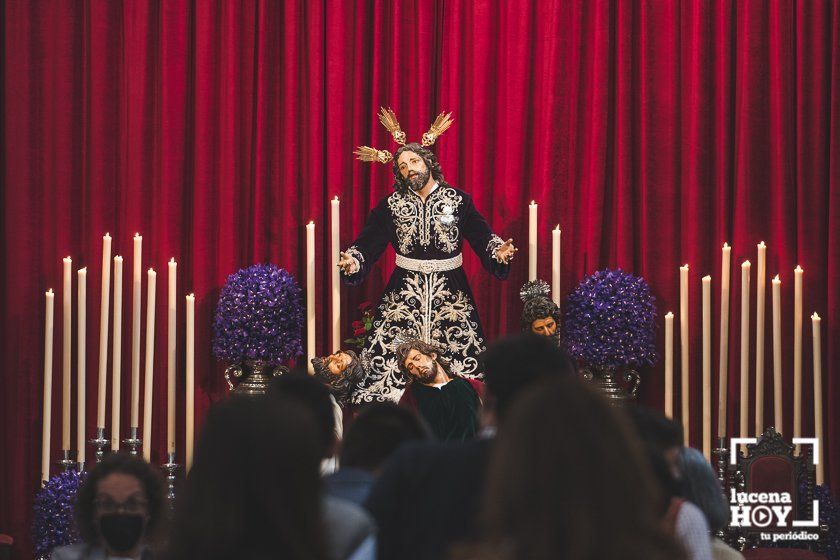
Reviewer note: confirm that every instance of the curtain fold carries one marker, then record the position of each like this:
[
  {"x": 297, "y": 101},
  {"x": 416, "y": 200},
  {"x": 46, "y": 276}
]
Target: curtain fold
[{"x": 651, "y": 132}]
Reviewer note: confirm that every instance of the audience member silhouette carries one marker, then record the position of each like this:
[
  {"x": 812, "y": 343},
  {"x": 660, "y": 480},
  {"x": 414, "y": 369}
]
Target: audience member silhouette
[
  {"x": 254, "y": 489},
  {"x": 569, "y": 480},
  {"x": 119, "y": 511},
  {"x": 377, "y": 431},
  {"x": 428, "y": 495}
]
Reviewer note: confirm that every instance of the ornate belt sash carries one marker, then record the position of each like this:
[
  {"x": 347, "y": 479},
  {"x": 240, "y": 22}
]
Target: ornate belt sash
[{"x": 429, "y": 266}]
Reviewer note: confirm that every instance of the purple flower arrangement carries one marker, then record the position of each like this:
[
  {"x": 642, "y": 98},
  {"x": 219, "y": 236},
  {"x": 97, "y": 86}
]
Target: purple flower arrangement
[
  {"x": 53, "y": 520},
  {"x": 259, "y": 316},
  {"x": 610, "y": 321}
]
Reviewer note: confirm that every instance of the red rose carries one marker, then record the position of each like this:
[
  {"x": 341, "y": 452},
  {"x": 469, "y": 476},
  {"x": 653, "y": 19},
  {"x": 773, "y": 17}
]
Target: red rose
[
  {"x": 359, "y": 331},
  {"x": 358, "y": 325}
]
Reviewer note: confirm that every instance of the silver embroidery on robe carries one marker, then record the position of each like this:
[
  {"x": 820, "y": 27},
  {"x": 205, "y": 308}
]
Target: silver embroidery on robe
[
  {"x": 425, "y": 308},
  {"x": 415, "y": 221}
]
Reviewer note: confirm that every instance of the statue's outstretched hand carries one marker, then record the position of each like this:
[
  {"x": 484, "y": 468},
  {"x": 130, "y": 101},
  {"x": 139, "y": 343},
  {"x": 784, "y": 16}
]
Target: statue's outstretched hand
[
  {"x": 506, "y": 251},
  {"x": 346, "y": 263}
]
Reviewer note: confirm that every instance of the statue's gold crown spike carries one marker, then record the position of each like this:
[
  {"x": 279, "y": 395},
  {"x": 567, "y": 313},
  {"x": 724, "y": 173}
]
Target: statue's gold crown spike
[{"x": 389, "y": 121}]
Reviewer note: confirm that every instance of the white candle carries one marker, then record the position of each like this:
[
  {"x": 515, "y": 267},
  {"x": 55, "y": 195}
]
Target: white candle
[
  {"x": 818, "y": 405},
  {"x": 190, "y": 388},
  {"x": 723, "y": 364},
  {"x": 47, "y": 414},
  {"x": 103, "y": 331},
  {"x": 116, "y": 383},
  {"x": 532, "y": 241},
  {"x": 707, "y": 367},
  {"x": 135, "y": 331},
  {"x": 797, "y": 353},
  {"x": 745, "y": 347},
  {"x": 310, "y": 295},
  {"x": 335, "y": 279},
  {"x": 761, "y": 272},
  {"x": 171, "y": 358},
  {"x": 669, "y": 365},
  {"x": 555, "y": 265},
  {"x": 150, "y": 361},
  {"x": 684, "y": 351},
  {"x": 81, "y": 343},
  {"x": 778, "y": 417},
  {"x": 66, "y": 350}
]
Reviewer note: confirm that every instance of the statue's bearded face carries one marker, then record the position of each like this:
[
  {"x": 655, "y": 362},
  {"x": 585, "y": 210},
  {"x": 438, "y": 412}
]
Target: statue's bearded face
[
  {"x": 420, "y": 366},
  {"x": 546, "y": 326},
  {"x": 413, "y": 170},
  {"x": 335, "y": 364}
]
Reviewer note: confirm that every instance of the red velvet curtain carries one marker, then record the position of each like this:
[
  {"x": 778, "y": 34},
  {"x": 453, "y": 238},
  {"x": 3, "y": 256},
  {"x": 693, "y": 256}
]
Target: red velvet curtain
[{"x": 651, "y": 131}]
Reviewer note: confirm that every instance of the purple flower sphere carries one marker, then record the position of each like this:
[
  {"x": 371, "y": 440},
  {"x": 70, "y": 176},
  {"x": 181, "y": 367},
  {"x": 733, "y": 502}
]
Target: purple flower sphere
[
  {"x": 53, "y": 525},
  {"x": 259, "y": 316},
  {"x": 610, "y": 321}
]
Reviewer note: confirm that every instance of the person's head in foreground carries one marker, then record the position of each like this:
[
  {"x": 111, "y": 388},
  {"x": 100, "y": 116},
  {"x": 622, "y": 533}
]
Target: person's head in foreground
[
  {"x": 568, "y": 479},
  {"x": 702, "y": 488},
  {"x": 313, "y": 395},
  {"x": 253, "y": 490},
  {"x": 514, "y": 363},
  {"x": 378, "y": 430},
  {"x": 120, "y": 506}
]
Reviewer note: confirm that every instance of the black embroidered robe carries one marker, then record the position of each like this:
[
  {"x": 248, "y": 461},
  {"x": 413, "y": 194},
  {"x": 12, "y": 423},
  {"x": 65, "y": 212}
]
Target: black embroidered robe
[{"x": 436, "y": 306}]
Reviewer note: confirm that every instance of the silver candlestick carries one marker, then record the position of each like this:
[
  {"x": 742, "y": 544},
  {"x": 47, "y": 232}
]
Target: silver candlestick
[
  {"x": 132, "y": 441},
  {"x": 171, "y": 467},
  {"x": 68, "y": 463},
  {"x": 100, "y": 442}
]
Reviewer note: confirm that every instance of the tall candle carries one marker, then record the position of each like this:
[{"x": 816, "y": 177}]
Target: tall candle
[
  {"x": 778, "y": 417},
  {"x": 135, "y": 331},
  {"x": 797, "y": 353},
  {"x": 149, "y": 362},
  {"x": 532, "y": 241},
  {"x": 761, "y": 272},
  {"x": 81, "y": 374},
  {"x": 171, "y": 358},
  {"x": 190, "y": 388},
  {"x": 669, "y": 365},
  {"x": 116, "y": 382},
  {"x": 310, "y": 295},
  {"x": 335, "y": 279},
  {"x": 103, "y": 331},
  {"x": 684, "y": 351},
  {"x": 723, "y": 364},
  {"x": 745, "y": 347},
  {"x": 707, "y": 367},
  {"x": 47, "y": 413},
  {"x": 555, "y": 265},
  {"x": 818, "y": 404},
  {"x": 66, "y": 350}
]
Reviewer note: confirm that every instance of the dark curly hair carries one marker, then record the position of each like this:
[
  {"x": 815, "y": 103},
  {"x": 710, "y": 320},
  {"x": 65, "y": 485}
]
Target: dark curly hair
[
  {"x": 424, "y": 348},
  {"x": 122, "y": 463},
  {"x": 539, "y": 308},
  {"x": 430, "y": 159}
]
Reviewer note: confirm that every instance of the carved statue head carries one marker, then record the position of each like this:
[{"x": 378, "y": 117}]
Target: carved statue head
[
  {"x": 540, "y": 314},
  {"x": 420, "y": 361},
  {"x": 412, "y": 174},
  {"x": 340, "y": 372}
]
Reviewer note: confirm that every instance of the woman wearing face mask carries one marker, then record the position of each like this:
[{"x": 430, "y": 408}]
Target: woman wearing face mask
[{"x": 118, "y": 510}]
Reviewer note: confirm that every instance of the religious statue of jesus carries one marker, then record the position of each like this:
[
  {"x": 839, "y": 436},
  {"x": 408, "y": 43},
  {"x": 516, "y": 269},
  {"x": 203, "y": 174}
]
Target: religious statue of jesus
[{"x": 428, "y": 297}]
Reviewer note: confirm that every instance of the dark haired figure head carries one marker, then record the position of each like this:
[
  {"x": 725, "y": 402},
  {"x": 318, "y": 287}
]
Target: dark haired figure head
[
  {"x": 450, "y": 404},
  {"x": 119, "y": 510},
  {"x": 315, "y": 397},
  {"x": 416, "y": 168},
  {"x": 253, "y": 491},
  {"x": 340, "y": 372},
  {"x": 376, "y": 432},
  {"x": 568, "y": 479},
  {"x": 541, "y": 316}
]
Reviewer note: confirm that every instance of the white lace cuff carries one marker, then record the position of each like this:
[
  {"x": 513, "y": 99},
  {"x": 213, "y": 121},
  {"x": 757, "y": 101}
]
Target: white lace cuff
[
  {"x": 358, "y": 258},
  {"x": 493, "y": 248}
]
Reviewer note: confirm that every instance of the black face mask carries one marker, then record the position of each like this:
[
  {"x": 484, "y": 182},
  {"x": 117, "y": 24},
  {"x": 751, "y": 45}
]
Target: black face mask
[{"x": 121, "y": 531}]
